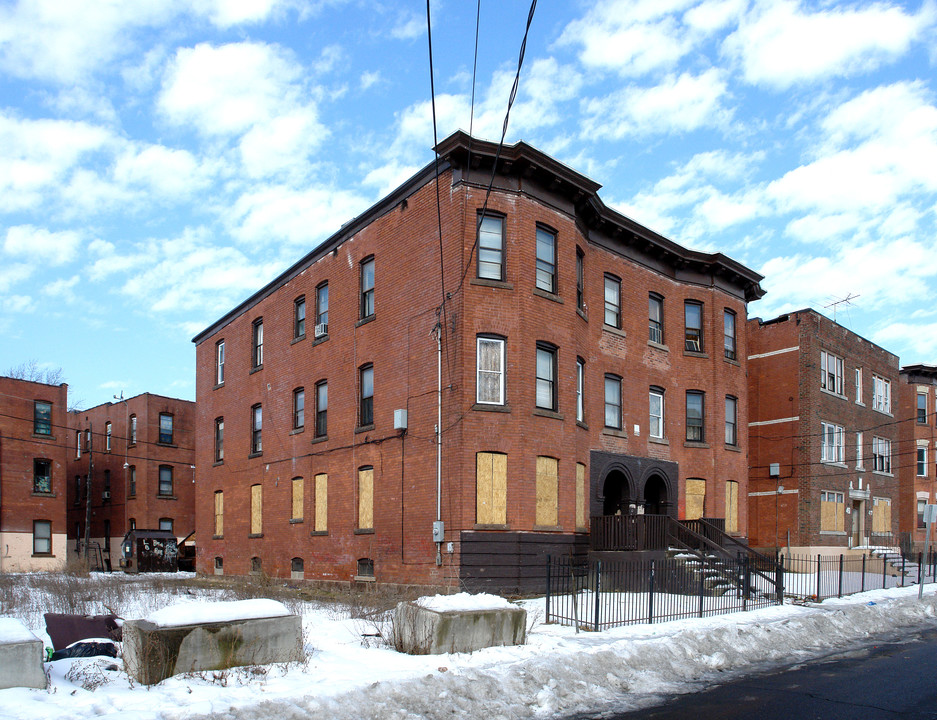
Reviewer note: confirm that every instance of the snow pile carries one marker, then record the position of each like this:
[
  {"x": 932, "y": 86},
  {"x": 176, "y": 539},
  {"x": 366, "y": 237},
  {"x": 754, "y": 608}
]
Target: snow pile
[
  {"x": 189, "y": 613},
  {"x": 463, "y": 602},
  {"x": 13, "y": 631}
]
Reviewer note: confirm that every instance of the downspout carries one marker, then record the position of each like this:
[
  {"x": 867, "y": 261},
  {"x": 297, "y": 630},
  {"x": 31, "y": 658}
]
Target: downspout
[{"x": 437, "y": 528}]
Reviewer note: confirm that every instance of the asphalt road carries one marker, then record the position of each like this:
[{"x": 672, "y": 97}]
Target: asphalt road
[{"x": 891, "y": 678}]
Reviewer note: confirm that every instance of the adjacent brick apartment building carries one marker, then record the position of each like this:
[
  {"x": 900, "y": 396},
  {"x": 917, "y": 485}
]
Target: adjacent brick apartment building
[
  {"x": 585, "y": 366},
  {"x": 822, "y": 410},
  {"x": 137, "y": 457},
  {"x": 917, "y": 398},
  {"x": 32, "y": 475}
]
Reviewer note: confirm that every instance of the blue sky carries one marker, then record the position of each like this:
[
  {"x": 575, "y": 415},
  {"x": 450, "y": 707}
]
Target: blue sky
[{"x": 162, "y": 159}]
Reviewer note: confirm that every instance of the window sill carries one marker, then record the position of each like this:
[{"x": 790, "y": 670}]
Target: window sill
[
  {"x": 694, "y": 353},
  {"x": 217, "y": 463},
  {"x": 166, "y": 497},
  {"x": 167, "y": 444},
  {"x": 543, "y": 412},
  {"x": 42, "y": 555},
  {"x": 483, "y": 407},
  {"x": 366, "y": 320},
  {"x": 582, "y": 313},
  {"x": 219, "y": 385},
  {"x": 255, "y": 535},
  {"x": 859, "y": 402},
  {"x": 546, "y": 295},
  {"x": 485, "y": 282},
  {"x": 321, "y": 339},
  {"x": 614, "y": 331},
  {"x": 882, "y": 473},
  {"x": 659, "y": 346},
  {"x": 364, "y": 531},
  {"x": 256, "y": 368},
  {"x": 730, "y": 361},
  {"x": 364, "y": 428},
  {"x": 255, "y": 454},
  {"x": 490, "y": 526},
  {"x": 833, "y": 394},
  {"x": 217, "y": 537},
  {"x": 833, "y": 464},
  {"x": 319, "y": 439},
  {"x": 39, "y": 493},
  {"x": 695, "y": 444},
  {"x": 44, "y": 436},
  {"x": 364, "y": 578},
  {"x": 297, "y": 431},
  {"x": 733, "y": 448},
  {"x": 887, "y": 413},
  {"x": 658, "y": 440},
  {"x": 580, "y": 423},
  {"x": 296, "y": 521},
  {"x": 833, "y": 532},
  {"x": 614, "y": 432},
  {"x": 298, "y": 338},
  {"x": 319, "y": 533},
  {"x": 547, "y": 528}
]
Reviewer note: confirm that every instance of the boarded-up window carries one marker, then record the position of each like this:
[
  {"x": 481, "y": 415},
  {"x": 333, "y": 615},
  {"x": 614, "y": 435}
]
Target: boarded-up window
[
  {"x": 219, "y": 513},
  {"x": 832, "y": 515},
  {"x": 491, "y": 471},
  {"x": 257, "y": 507},
  {"x": 366, "y": 498},
  {"x": 881, "y": 515},
  {"x": 322, "y": 502},
  {"x": 696, "y": 499},
  {"x": 580, "y": 495},
  {"x": 297, "y": 505},
  {"x": 732, "y": 506},
  {"x": 547, "y": 491}
]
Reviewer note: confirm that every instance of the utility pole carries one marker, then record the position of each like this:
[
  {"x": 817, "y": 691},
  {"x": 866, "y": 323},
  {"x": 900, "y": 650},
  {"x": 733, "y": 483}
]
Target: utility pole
[{"x": 90, "y": 437}]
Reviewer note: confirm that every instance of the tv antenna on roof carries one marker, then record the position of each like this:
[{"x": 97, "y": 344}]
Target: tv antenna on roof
[{"x": 846, "y": 300}]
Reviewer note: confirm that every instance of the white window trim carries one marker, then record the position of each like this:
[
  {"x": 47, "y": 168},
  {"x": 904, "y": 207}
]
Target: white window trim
[
  {"x": 838, "y": 447},
  {"x": 660, "y": 396},
  {"x": 881, "y": 394},
  {"x": 499, "y": 372}
]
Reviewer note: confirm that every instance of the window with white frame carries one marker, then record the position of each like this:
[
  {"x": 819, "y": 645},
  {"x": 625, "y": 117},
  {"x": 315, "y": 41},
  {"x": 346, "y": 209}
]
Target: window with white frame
[
  {"x": 728, "y": 321},
  {"x": 546, "y": 260},
  {"x": 613, "y": 402},
  {"x": 921, "y": 408},
  {"x": 922, "y": 462},
  {"x": 656, "y": 412},
  {"x": 257, "y": 343},
  {"x": 612, "y": 301},
  {"x": 831, "y": 372},
  {"x": 490, "y": 247},
  {"x": 219, "y": 362},
  {"x": 580, "y": 386},
  {"x": 732, "y": 431},
  {"x": 859, "y": 452},
  {"x": 859, "y": 385},
  {"x": 489, "y": 380},
  {"x": 881, "y": 455},
  {"x": 881, "y": 394},
  {"x": 831, "y": 448},
  {"x": 42, "y": 537}
]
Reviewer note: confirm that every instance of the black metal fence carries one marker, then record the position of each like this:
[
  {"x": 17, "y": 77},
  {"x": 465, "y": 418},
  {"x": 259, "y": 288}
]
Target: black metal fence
[
  {"x": 817, "y": 577},
  {"x": 606, "y": 594}
]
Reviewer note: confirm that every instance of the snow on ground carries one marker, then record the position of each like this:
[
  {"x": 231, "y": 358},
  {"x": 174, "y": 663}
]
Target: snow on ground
[
  {"x": 559, "y": 672},
  {"x": 193, "y": 611},
  {"x": 462, "y": 601}
]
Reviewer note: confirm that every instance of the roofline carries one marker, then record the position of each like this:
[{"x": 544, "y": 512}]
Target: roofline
[
  {"x": 808, "y": 310},
  {"x": 110, "y": 403}
]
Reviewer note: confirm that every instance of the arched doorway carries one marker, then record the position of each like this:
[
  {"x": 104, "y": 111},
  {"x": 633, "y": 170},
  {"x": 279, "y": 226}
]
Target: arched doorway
[
  {"x": 617, "y": 494},
  {"x": 655, "y": 496}
]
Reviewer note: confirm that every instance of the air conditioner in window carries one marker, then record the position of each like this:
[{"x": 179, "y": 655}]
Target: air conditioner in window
[
  {"x": 322, "y": 329},
  {"x": 106, "y": 495}
]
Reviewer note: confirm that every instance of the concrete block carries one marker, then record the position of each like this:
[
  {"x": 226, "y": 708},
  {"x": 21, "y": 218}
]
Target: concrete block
[
  {"x": 20, "y": 656},
  {"x": 153, "y": 653},
  {"x": 420, "y": 631}
]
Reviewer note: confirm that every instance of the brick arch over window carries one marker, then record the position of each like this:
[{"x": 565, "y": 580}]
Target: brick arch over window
[{"x": 640, "y": 471}]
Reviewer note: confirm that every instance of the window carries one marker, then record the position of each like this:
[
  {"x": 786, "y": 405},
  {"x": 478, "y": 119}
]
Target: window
[
  {"x": 490, "y": 247},
  {"x": 219, "y": 362},
  {"x": 365, "y": 568},
  {"x": 165, "y": 428},
  {"x": 546, "y": 377},
  {"x": 655, "y": 313},
  {"x": 257, "y": 507},
  {"x": 132, "y": 481},
  {"x": 131, "y": 524},
  {"x": 832, "y": 443},
  {"x": 694, "y": 416},
  {"x": 881, "y": 394},
  {"x": 107, "y": 484},
  {"x": 547, "y": 512},
  {"x": 296, "y": 497},
  {"x": 580, "y": 495},
  {"x": 322, "y": 503},
  {"x": 366, "y": 399},
  {"x": 42, "y": 475},
  {"x": 256, "y": 565},
  {"x": 165, "y": 524},
  {"x": 299, "y": 317},
  {"x": 77, "y": 490},
  {"x": 580, "y": 281},
  {"x": 77, "y": 444},
  {"x": 728, "y": 322},
  {"x": 613, "y": 402},
  {"x": 367, "y": 288},
  {"x": 831, "y": 372},
  {"x": 881, "y": 515},
  {"x": 732, "y": 433},
  {"x": 133, "y": 429},
  {"x": 859, "y": 385},
  {"x": 693, "y": 326},
  {"x": 546, "y": 260},
  {"x": 491, "y": 488},
  {"x": 366, "y": 498},
  {"x": 297, "y": 568},
  {"x": 322, "y": 309},
  {"x": 832, "y": 511},
  {"x": 299, "y": 403},
  {"x": 42, "y": 418},
  {"x": 88, "y": 439},
  {"x": 322, "y": 408},
  {"x": 219, "y": 439},
  {"x": 921, "y": 506},
  {"x": 257, "y": 343},
  {"x": 219, "y": 565},
  {"x": 881, "y": 455},
  {"x": 612, "y": 301},
  {"x": 921, "y": 408},
  {"x": 489, "y": 380},
  {"x": 107, "y": 437},
  {"x": 219, "y": 513},
  {"x": 42, "y": 537},
  {"x": 859, "y": 452},
  {"x": 165, "y": 480},
  {"x": 695, "y": 498},
  {"x": 922, "y": 462},
  {"x": 580, "y": 387},
  {"x": 656, "y": 412},
  {"x": 257, "y": 422}
]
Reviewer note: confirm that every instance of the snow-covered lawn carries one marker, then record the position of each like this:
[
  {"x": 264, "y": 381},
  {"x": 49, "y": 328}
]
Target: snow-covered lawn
[{"x": 350, "y": 673}]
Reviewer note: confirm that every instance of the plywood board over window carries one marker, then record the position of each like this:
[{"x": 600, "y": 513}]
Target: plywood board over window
[
  {"x": 366, "y": 499},
  {"x": 696, "y": 499},
  {"x": 491, "y": 471},
  {"x": 322, "y": 502},
  {"x": 297, "y": 504},
  {"x": 580, "y": 495},
  {"x": 732, "y": 506},
  {"x": 881, "y": 515},
  {"x": 832, "y": 511},
  {"x": 257, "y": 526},
  {"x": 219, "y": 513},
  {"x": 547, "y": 481}
]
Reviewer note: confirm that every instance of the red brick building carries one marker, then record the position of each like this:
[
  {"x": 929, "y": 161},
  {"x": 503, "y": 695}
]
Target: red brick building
[
  {"x": 32, "y": 475},
  {"x": 918, "y": 444},
  {"x": 137, "y": 456},
  {"x": 823, "y": 411},
  {"x": 585, "y": 366}
]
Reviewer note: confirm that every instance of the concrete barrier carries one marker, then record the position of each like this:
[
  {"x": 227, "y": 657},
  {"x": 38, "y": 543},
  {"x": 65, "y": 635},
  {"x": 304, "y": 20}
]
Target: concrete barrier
[
  {"x": 155, "y": 652},
  {"x": 423, "y": 631},
  {"x": 20, "y": 656}
]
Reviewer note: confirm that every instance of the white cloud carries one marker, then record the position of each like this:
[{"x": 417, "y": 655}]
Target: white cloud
[
  {"x": 226, "y": 13},
  {"x": 41, "y": 246},
  {"x": 781, "y": 43},
  {"x": 13, "y": 273},
  {"x": 388, "y": 177},
  {"x": 923, "y": 336},
  {"x": 63, "y": 289},
  {"x": 409, "y": 26},
  {"x": 159, "y": 170},
  {"x": 16, "y": 304},
  {"x": 368, "y": 79},
  {"x": 277, "y": 145}
]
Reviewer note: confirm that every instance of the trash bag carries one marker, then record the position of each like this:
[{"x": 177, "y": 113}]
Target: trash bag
[{"x": 86, "y": 648}]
